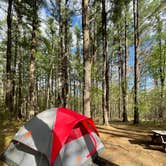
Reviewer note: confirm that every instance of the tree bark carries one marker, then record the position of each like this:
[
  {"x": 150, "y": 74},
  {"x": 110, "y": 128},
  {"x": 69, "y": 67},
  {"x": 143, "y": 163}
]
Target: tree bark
[
  {"x": 63, "y": 57},
  {"x": 32, "y": 61},
  {"x": 87, "y": 59},
  {"x": 65, "y": 61},
  {"x": 20, "y": 100},
  {"x": 105, "y": 83},
  {"x": 9, "y": 98},
  {"x": 48, "y": 95},
  {"x": 120, "y": 72},
  {"x": 94, "y": 63},
  {"x": 60, "y": 57},
  {"x": 136, "y": 69},
  {"x": 125, "y": 90},
  {"x": 14, "y": 71}
]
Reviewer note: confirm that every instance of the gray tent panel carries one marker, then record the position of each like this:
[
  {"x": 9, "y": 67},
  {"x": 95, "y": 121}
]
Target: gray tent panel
[
  {"x": 75, "y": 153},
  {"x": 18, "y": 154},
  {"x": 37, "y": 133}
]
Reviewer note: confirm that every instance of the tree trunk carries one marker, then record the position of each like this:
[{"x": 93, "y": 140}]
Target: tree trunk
[
  {"x": 105, "y": 86},
  {"x": 125, "y": 90},
  {"x": 74, "y": 93},
  {"x": 65, "y": 61},
  {"x": 94, "y": 63},
  {"x": 87, "y": 59},
  {"x": 48, "y": 97},
  {"x": 120, "y": 70},
  {"x": 136, "y": 69},
  {"x": 9, "y": 98},
  {"x": 20, "y": 100},
  {"x": 111, "y": 83},
  {"x": 107, "y": 89},
  {"x": 32, "y": 63},
  {"x": 14, "y": 71},
  {"x": 60, "y": 55}
]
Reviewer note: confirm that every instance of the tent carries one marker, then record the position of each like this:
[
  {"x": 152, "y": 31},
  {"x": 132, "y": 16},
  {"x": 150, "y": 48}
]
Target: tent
[{"x": 55, "y": 137}]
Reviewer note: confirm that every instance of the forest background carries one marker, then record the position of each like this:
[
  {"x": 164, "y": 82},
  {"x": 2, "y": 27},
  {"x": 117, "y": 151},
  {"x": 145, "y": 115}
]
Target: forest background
[{"x": 103, "y": 58}]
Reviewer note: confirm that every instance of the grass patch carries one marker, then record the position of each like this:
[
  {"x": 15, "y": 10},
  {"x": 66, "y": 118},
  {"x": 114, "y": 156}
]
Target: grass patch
[{"x": 8, "y": 130}]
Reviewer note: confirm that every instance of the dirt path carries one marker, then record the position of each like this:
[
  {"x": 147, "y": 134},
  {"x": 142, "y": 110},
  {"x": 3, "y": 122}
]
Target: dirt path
[{"x": 126, "y": 145}]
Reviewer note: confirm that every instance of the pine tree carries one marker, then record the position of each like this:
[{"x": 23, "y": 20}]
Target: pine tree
[
  {"x": 136, "y": 57},
  {"x": 105, "y": 84},
  {"x": 9, "y": 98},
  {"x": 87, "y": 59}
]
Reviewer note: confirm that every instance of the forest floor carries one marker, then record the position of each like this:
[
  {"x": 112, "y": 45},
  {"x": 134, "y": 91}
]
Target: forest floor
[
  {"x": 130, "y": 145},
  {"x": 125, "y": 144}
]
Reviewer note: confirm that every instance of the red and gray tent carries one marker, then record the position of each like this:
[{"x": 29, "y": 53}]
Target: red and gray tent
[{"x": 55, "y": 137}]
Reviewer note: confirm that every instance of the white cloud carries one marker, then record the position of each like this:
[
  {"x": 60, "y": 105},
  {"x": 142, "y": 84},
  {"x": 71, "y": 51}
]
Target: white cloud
[
  {"x": 74, "y": 39},
  {"x": 43, "y": 18}
]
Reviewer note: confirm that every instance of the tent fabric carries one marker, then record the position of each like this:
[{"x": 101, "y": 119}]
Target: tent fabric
[
  {"x": 60, "y": 136},
  {"x": 37, "y": 133},
  {"x": 76, "y": 152},
  {"x": 19, "y": 155},
  {"x": 55, "y": 137}
]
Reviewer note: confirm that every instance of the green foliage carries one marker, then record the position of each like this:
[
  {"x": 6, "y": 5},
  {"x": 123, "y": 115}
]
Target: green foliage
[
  {"x": 47, "y": 57},
  {"x": 155, "y": 62}
]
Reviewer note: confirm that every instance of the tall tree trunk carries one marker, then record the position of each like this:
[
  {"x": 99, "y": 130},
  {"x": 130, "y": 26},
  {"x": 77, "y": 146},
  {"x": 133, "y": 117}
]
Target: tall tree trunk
[
  {"x": 87, "y": 59},
  {"x": 105, "y": 86},
  {"x": 53, "y": 85},
  {"x": 60, "y": 55},
  {"x": 14, "y": 71},
  {"x": 107, "y": 89},
  {"x": 48, "y": 97},
  {"x": 15, "y": 106},
  {"x": 20, "y": 99},
  {"x": 65, "y": 61},
  {"x": 94, "y": 63},
  {"x": 111, "y": 83},
  {"x": 52, "y": 72},
  {"x": 32, "y": 61},
  {"x": 78, "y": 57},
  {"x": 120, "y": 72},
  {"x": 74, "y": 93},
  {"x": 125, "y": 96},
  {"x": 136, "y": 69},
  {"x": 9, "y": 98}
]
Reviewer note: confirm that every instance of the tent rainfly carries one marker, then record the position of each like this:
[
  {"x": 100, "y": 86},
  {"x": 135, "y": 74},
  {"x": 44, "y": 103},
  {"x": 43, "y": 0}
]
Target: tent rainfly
[{"x": 55, "y": 137}]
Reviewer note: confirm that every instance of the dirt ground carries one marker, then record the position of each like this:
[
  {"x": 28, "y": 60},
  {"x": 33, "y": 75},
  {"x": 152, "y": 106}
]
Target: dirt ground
[
  {"x": 125, "y": 144},
  {"x": 128, "y": 145}
]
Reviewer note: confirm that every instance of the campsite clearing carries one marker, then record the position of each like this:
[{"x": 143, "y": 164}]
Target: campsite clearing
[
  {"x": 125, "y": 144},
  {"x": 129, "y": 145}
]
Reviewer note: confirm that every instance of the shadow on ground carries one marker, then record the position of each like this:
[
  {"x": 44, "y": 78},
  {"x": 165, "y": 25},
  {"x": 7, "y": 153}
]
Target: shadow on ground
[
  {"x": 99, "y": 161},
  {"x": 146, "y": 144},
  {"x": 136, "y": 135}
]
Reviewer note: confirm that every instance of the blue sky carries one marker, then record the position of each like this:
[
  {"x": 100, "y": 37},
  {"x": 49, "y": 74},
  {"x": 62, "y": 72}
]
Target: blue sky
[{"x": 76, "y": 20}]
